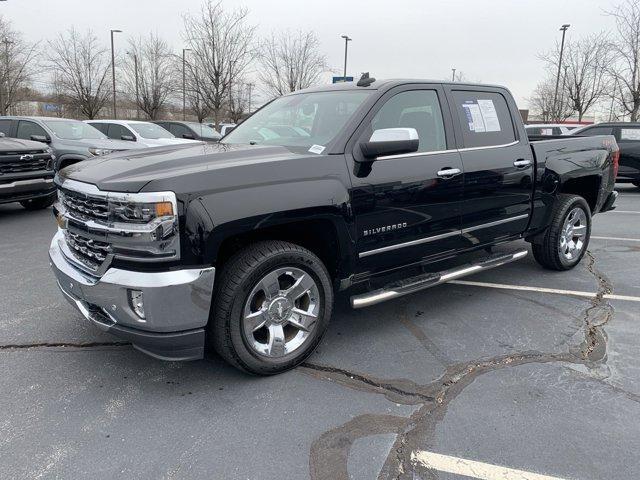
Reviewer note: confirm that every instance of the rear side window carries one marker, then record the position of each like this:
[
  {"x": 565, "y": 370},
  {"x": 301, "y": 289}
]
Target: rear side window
[
  {"x": 419, "y": 109},
  {"x": 27, "y": 129},
  {"x": 484, "y": 118},
  {"x": 5, "y": 127},
  {"x": 629, "y": 134}
]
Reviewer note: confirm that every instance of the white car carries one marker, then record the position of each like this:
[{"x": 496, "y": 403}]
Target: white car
[
  {"x": 548, "y": 129},
  {"x": 226, "y": 128},
  {"x": 144, "y": 134}
]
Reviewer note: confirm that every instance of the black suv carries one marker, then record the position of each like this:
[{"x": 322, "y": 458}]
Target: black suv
[
  {"x": 628, "y": 138},
  {"x": 26, "y": 173}
]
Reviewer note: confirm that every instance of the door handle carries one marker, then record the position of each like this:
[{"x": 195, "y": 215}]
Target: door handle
[
  {"x": 449, "y": 172},
  {"x": 521, "y": 163}
]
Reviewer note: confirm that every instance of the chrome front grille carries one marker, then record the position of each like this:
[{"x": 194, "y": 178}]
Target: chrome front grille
[
  {"x": 85, "y": 206},
  {"x": 92, "y": 253},
  {"x": 18, "y": 162}
]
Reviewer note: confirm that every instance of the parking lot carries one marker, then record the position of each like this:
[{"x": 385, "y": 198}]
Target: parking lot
[{"x": 516, "y": 369}]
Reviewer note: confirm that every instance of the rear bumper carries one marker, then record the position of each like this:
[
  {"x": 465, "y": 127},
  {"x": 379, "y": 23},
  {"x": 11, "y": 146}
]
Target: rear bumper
[
  {"x": 176, "y": 304},
  {"x": 17, "y": 190}
]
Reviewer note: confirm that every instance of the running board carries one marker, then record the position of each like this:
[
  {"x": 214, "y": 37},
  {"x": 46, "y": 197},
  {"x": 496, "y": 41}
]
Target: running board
[{"x": 428, "y": 280}]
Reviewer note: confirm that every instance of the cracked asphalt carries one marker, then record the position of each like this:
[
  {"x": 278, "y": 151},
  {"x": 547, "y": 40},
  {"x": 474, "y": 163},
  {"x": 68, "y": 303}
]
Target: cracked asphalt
[{"x": 536, "y": 381}]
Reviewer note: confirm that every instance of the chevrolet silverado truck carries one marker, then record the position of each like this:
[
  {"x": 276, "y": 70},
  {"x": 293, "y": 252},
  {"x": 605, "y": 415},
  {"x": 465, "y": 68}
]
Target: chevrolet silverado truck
[
  {"x": 26, "y": 173},
  {"x": 239, "y": 247}
]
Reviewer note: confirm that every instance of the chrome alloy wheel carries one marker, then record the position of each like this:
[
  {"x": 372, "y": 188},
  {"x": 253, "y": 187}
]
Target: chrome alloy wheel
[
  {"x": 573, "y": 234},
  {"x": 281, "y": 312}
]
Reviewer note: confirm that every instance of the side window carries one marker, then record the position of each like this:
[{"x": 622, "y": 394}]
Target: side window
[
  {"x": 484, "y": 118},
  {"x": 631, "y": 134},
  {"x": 419, "y": 109},
  {"x": 180, "y": 130},
  {"x": 5, "y": 127},
  {"x": 592, "y": 132},
  {"x": 103, "y": 127},
  {"x": 27, "y": 129},
  {"x": 117, "y": 131}
]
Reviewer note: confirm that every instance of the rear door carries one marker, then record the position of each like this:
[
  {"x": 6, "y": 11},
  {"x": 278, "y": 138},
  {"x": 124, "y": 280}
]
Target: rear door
[
  {"x": 407, "y": 207},
  {"x": 498, "y": 164}
]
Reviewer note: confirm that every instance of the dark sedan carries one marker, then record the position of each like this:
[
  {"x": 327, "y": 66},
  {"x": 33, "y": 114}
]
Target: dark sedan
[{"x": 190, "y": 130}]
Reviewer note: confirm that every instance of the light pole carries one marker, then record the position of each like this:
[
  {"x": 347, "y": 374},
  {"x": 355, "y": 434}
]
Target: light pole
[
  {"x": 563, "y": 29},
  {"x": 5, "y": 99},
  {"x": 135, "y": 70},
  {"x": 113, "y": 73},
  {"x": 346, "y": 47},
  {"x": 184, "y": 83},
  {"x": 453, "y": 74},
  {"x": 250, "y": 86}
]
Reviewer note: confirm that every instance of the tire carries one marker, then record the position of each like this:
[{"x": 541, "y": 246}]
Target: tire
[
  {"x": 553, "y": 252},
  {"x": 38, "y": 203},
  {"x": 636, "y": 183},
  {"x": 278, "y": 345}
]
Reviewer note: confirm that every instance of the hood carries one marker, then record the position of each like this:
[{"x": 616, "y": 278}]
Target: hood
[
  {"x": 16, "y": 144},
  {"x": 157, "y": 142},
  {"x": 101, "y": 143},
  {"x": 131, "y": 171}
]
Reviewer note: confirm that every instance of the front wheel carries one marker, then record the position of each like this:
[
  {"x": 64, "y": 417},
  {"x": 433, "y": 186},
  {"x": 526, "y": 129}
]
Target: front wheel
[
  {"x": 38, "y": 203},
  {"x": 272, "y": 305},
  {"x": 565, "y": 241}
]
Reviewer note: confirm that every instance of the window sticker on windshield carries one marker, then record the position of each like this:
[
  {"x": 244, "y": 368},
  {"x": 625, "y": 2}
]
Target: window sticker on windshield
[
  {"x": 474, "y": 117},
  {"x": 630, "y": 134},
  {"x": 489, "y": 115},
  {"x": 316, "y": 149}
]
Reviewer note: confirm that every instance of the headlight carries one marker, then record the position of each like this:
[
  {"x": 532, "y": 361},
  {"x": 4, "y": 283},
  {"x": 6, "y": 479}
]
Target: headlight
[
  {"x": 123, "y": 211},
  {"x": 100, "y": 151}
]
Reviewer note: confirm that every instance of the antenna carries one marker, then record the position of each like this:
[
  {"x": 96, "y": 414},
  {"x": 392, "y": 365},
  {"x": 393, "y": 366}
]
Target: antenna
[{"x": 365, "y": 80}]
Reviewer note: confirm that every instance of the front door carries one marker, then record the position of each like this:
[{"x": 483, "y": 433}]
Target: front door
[
  {"x": 498, "y": 179},
  {"x": 407, "y": 207}
]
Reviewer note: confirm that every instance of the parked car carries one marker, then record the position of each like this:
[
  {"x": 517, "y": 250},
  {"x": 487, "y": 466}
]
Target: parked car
[
  {"x": 71, "y": 140},
  {"x": 380, "y": 191},
  {"x": 190, "y": 130},
  {"x": 26, "y": 173},
  {"x": 549, "y": 129},
  {"x": 144, "y": 134},
  {"x": 628, "y": 137},
  {"x": 226, "y": 128}
]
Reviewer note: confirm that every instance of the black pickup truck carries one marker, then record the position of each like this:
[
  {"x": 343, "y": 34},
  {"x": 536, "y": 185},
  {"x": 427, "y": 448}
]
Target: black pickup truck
[
  {"x": 240, "y": 246},
  {"x": 26, "y": 173}
]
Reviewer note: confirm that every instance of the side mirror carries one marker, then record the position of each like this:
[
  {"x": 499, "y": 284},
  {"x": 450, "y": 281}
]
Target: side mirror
[
  {"x": 40, "y": 138},
  {"x": 390, "y": 141},
  {"x": 188, "y": 136},
  {"x": 128, "y": 138}
]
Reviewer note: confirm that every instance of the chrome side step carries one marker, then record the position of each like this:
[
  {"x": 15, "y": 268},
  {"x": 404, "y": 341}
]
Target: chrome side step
[{"x": 420, "y": 282}]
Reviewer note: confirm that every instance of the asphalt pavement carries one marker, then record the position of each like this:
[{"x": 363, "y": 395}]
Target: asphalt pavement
[{"x": 515, "y": 371}]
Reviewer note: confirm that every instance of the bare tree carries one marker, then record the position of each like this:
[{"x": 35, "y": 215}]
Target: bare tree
[
  {"x": 238, "y": 104},
  {"x": 194, "y": 87},
  {"x": 82, "y": 66},
  {"x": 585, "y": 64},
  {"x": 18, "y": 61},
  {"x": 221, "y": 51},
  {"x": 541, "y": 102},
  {"x": 155, "y": 76},
  {"x": 290, "y": 62},
  {"x": 626, "y": 49}
]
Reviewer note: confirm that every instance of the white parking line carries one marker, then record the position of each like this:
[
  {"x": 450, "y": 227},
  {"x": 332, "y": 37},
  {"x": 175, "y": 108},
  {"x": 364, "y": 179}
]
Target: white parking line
[
  {"x": 525, "y": 288},
  {"x": 621, "y": 239},
  {"x": 624, "y": 211},
  {"x": 473, "y": 469}
]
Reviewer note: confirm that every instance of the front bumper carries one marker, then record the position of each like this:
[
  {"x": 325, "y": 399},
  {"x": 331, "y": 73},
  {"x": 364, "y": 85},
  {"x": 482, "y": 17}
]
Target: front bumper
[
  {"x": 176, "y": 304},
  {"x": 26, "y": 189}
]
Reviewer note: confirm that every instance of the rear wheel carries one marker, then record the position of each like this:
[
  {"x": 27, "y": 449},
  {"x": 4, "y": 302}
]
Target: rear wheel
[
  {"x": 636, "y": 183},
  {"x": 272, "y": 305},
  {"x": 38, "y": 203},
  {"x": 565, "y": 241}
]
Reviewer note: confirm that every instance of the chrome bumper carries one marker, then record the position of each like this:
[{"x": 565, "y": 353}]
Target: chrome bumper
[{"x": 176, "y": 304}]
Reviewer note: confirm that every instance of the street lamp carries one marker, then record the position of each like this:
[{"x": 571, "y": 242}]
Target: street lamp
[
  {"x": 453, "y": 74},
  {"x": 346, "y": 46},
  {"x": 135, "y": 69},
  {"x": 5, "y": 102},
  {"x": 113, "y": 73},
  {"x": 250, "y": 87},
  {"x": 563, "y": 29},
  {"x": 184, "y": 83}
]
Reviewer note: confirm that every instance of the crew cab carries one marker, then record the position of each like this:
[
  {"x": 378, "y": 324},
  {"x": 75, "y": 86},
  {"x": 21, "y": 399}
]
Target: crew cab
[
  {"x": 373, "y": 187},
  {"x": 26, "y": 173}
]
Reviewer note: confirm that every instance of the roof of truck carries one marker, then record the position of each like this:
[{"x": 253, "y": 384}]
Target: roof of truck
[{"x": 390, "y": 83}]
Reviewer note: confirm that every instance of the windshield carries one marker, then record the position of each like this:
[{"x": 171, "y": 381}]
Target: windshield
[
  {"x": 73, "y": 130},
  {"x": 299, "y": 121},
  {"x": 151, "y": 130},
  {"x": 205, "y": 131}
]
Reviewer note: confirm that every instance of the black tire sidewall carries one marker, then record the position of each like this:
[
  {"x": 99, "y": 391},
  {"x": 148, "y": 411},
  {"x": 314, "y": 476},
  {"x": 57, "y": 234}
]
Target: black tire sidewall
[
  {"x": 569, "y": 206},
  {"x": 245, "y": 356}
]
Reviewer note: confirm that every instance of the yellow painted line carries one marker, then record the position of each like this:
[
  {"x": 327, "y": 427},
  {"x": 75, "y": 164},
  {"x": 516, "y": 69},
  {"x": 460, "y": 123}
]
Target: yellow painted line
[
  {"x": 473, "y": 469},
  {"x": 524, "y": 288}
]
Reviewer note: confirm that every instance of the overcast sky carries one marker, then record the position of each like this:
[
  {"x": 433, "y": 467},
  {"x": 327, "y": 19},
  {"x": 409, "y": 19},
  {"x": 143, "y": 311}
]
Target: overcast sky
[{"x": 491, "y": 41}]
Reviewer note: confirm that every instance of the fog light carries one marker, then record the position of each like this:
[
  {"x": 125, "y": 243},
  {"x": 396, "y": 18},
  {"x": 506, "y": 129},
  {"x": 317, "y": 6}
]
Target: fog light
[{"x": 137, "y": 302}]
